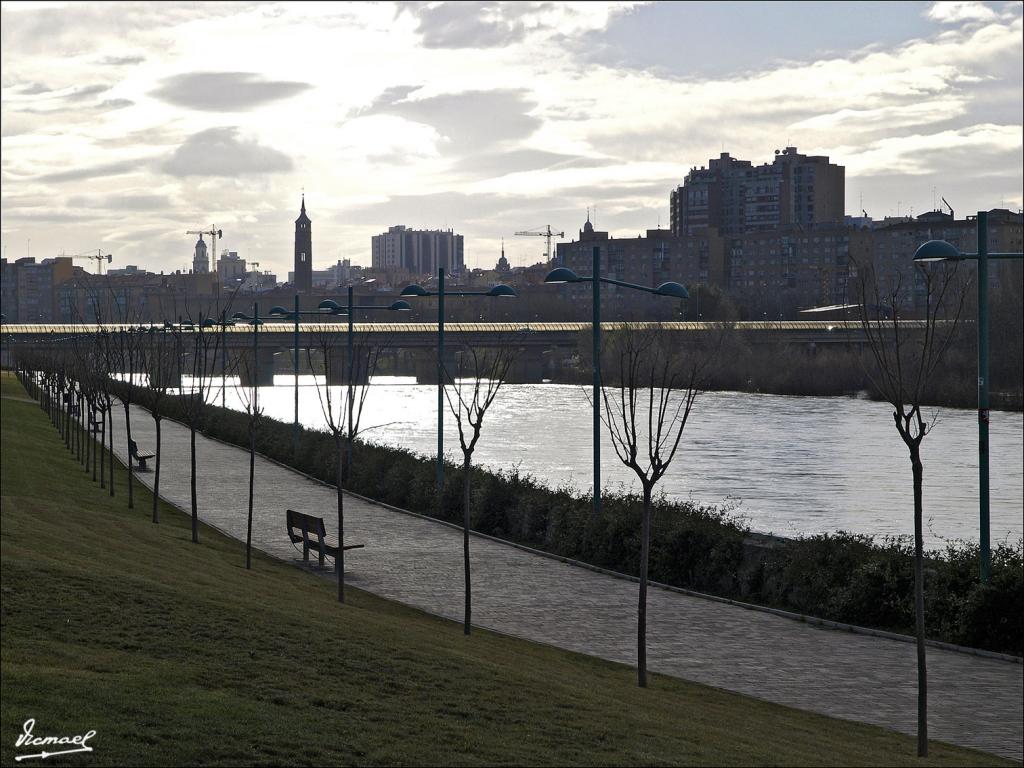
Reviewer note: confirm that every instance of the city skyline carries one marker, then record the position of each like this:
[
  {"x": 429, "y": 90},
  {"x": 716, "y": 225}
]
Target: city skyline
[{"x": 126, "y": 125}]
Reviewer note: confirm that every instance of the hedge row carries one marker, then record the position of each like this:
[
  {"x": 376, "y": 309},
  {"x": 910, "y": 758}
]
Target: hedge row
[{"x": 843, "y": 577}]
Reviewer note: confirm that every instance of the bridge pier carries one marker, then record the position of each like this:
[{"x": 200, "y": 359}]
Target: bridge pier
[
  {"x": 258, "y": 370},
  {"x": 425, "y": 365},
  {"x": 528, "y": 367},
  {"x": 337, "y": 369}
]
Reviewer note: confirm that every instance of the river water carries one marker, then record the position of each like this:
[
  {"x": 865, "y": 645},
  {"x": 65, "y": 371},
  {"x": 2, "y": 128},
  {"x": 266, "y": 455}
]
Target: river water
[{"x": 789, "y": 465}]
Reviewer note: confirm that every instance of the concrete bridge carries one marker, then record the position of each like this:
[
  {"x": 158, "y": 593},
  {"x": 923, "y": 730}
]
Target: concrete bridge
[{"x": 411, "y": 348}]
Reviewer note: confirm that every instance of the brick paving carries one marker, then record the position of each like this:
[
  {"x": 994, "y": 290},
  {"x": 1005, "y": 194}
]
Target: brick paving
[{"x": 973, "y": 701}]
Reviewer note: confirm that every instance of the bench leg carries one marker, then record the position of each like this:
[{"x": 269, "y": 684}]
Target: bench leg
[
  {"x": 321, "y": 551},
  {"x": 142, "y": 465}
]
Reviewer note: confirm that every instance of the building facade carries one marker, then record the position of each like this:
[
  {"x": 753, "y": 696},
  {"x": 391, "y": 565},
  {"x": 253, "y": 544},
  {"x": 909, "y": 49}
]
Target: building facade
[
  {"x": 734, "y": 196},
  {"x": 649, "y": 260},
  {"x": 230, "y": 269},
  {"x": 418, "y": 251},
  {"x": 29, "y": 292}
]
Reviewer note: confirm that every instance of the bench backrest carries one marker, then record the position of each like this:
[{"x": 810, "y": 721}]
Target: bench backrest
[
  {"x": 133, "y": 448},
  {"x": 314, "y": 525}
]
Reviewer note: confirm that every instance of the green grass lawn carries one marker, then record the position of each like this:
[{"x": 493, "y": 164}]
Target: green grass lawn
[{"x": 175, "y": 654}]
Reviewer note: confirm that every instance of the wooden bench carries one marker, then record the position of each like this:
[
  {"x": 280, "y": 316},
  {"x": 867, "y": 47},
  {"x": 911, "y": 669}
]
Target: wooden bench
[
  {"x": 301, "y": 530},
  {"x": 141, "y": 458}
]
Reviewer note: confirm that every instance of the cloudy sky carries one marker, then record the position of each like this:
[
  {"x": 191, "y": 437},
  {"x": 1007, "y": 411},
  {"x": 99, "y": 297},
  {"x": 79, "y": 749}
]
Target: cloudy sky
[{"x": 124, "y": 125}]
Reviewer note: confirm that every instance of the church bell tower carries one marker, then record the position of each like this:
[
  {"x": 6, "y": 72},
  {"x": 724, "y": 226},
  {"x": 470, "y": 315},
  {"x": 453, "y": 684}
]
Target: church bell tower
[{"x": 303, "y": 251}]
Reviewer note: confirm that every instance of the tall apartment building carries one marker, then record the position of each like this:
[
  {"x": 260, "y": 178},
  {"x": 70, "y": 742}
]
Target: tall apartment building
[
  {"x": 418, "y": 251},
  {"x": 30, "y": 290},
  {"x": 735, "y": 196}
]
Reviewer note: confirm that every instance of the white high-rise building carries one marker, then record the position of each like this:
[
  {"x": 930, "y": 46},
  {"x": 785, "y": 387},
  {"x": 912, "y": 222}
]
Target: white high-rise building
[{"x": 418, "y": 251}]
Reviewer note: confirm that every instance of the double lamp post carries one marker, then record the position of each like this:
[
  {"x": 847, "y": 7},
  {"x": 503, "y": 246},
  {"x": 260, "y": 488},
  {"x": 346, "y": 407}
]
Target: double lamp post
[{"x": 940, "y": 250}]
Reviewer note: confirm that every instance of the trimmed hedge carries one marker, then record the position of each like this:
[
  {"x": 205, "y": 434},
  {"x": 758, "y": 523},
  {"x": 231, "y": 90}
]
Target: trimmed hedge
[{"x": 843, "y": 577}]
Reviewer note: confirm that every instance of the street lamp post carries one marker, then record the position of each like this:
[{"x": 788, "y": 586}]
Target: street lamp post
[
  {"x": 280, "y": 313},
  {"x": 331, "y": 306},
  {"x": 418, "y": 291},
  {"x": 565, "y": 275},
  {"x": 327, "y": 307},
  {"x": 940, "y": 250}
]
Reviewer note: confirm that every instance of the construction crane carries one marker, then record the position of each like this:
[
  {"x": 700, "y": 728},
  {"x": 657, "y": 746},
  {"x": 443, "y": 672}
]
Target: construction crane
[
  {"x": 214, "y": 233},
  {"x": 544, "y": 232},
  {"x": 99, "y": 257}
]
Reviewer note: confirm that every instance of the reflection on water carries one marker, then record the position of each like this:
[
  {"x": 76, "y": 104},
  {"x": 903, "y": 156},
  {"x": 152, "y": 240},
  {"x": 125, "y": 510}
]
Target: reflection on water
[{"x": 797, "y": 464}]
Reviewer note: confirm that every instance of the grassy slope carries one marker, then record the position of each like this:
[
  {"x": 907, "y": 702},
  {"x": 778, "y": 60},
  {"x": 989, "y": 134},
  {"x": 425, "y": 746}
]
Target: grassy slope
[{"x": 175, "y": 654}]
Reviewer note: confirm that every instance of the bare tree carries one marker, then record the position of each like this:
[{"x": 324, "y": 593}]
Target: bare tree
[
  {"x": 905, "y": 363},
  {"x": 338, "y": 414},
  {"x": 160, "y": 363},
  {"x": 470, "y": 390},
  {"x": 127, "y": 351},
  {"x": 106, "y": 367},
  {"x": 202, "y": 342},
  {"x": 646, "y": 408},
  {"x": 249, "y": 398}
]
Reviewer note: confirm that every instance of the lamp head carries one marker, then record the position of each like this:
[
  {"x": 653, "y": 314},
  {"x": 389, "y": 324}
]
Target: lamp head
[
  {"x": 502, "y": 290},
  {"x": 562, "y": 275},
  {"x": 937, "y": 250},
  {"x": 675, "y": 290},
  {"x": 208, "y": 323},
  {"x": 239, "y": 316},
  {"x": 278, "y": 311},
  {"x": 329, "y": 305},
  {"x": 400, "y": 306},
  {"x": 413, "y": 290}
]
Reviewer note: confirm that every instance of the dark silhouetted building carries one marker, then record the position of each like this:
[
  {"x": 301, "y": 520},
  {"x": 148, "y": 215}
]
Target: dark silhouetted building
[
  {"x": 735, "y": 197},
  {"x": 200, "y": 261},
  {"x": 303, "y": 251}
]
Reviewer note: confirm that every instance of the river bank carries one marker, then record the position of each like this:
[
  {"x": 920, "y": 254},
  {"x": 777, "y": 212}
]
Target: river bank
[
  {"x": 785, "y": 369},
  {"x": 838, "y": 576}
]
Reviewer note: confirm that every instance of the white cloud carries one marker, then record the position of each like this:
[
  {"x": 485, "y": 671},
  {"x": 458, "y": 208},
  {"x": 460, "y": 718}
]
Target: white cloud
[
  {"x": 953, "y": 12},
  {"x": 499, "y": 137},
  {"x": 916, "y": 153}
]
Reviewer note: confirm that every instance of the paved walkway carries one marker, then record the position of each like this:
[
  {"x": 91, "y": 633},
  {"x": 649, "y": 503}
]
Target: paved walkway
[{"x": 974, "y": 701}]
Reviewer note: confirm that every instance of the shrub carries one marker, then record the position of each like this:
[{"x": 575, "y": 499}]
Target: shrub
[{"x": 844, "y": 577}]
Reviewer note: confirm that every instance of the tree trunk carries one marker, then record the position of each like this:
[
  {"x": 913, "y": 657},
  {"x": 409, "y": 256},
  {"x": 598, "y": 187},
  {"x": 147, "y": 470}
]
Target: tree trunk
[
  {"x": 92, "y": 411},
  {"x": 128, "y": 432},
  {"x": 110, "y": 418},
  {"x": 641, "y": 624},
  {"x": 80, "y": 435},
  {"x": 156, "y": 476},
  {"x": 339, "y": 560},
  {"x": 88, "y": 439},
  {"x": 103, "y": 449},
  {"x": 467, "y": 620},
  {"x": 922, "y": 673},
  {"x": 195, "y": 506},
  {"x": 252, "y": 480}
]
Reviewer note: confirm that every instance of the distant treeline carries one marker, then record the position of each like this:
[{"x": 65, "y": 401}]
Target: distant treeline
[
  {"x": 843, "y": 577},
  {"x": 749, "y": 364}
]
